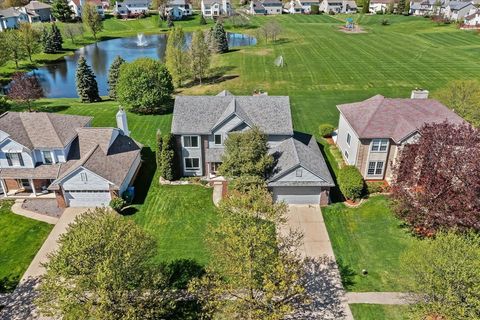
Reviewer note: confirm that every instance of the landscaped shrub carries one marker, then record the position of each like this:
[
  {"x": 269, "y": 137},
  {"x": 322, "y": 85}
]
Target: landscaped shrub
[
  {"x": 376, "y": 187},
  {"x": 4, "y": 104},
  {"x": 326, "y": 130},
  {"x": 117, "y": 204},
  {"x": 385, "y": 22},
  {"x": 314, "y": 9},
  {"x": 167, "y": 158},
  {"x": 351, "y": 182}
]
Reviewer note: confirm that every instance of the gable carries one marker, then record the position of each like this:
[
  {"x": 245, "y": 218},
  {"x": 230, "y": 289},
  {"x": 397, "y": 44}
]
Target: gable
[
  {"x": 93, "y": 181},
  {"x": 306, "y": 176},
  {"x": 230, "y": 124}
]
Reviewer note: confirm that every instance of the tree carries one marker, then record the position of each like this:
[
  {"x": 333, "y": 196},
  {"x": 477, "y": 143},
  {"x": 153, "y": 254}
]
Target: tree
[
  {"x": 246, "y": 153},
  {"x": 61, "y": 11},
  {"x": 167, "y": 157},
  {"x": 407, "y": 7},
  {"x": 436, "y": 184},
  {"x": 30, "y": 39},
  {"x": 159, "y": 139},
  {"x": 113, "y": 74},
  {"x": 176, "y": 58},
  {"x": 444, "y": 272},
  {"x": 463, "y": 97},
  {"x": 92, "y": 19},
  {"x": 170, "y": 23},
  {"x": 271, "y": 30},
  {"x": 57, "y": 38},
  {"x": 25, "y": 89},
  {"x": 47, "y": 41},
  {"x": 391, "y": 7},
  {"x": 4, "y": 49},
  {"x": 72, "y": 30},
  {"x": 102, "y": 270},
  {"x": 87, "y": 88},
  {"x": 218, "y": 38},
  {"x": 145, "y": 86},
  {"x": 350, "y": 182},
  {"x": 14, "y": 46},
  {"x": 401, "y": 6},
  {"x": 202, "y": 20},
  {"x": 366, "y": 6},
  {"x": 199, "y": 56}
]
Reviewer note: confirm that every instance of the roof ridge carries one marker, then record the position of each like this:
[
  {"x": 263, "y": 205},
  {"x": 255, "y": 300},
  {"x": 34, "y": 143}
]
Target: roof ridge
[
  {"x": 376, "y": 109},
  {"x": 54, "y": 129}
]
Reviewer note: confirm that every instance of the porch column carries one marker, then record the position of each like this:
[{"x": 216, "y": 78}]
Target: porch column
[
  {"x": 4, "y": 188},
  {"x": 32, "y": 185}
]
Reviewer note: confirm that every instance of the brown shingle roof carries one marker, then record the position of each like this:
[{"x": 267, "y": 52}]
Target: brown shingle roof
[
  {"x": 36, "y": 5},
  {"x": 380, "y": 117}
]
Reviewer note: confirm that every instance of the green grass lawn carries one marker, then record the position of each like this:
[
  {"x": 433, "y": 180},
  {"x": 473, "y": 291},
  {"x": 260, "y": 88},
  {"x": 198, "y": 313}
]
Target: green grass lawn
[
  {"x": 368, "y": 237},
  {"x": 378, "y": 312},
  {"x": 20, "y": 240}
]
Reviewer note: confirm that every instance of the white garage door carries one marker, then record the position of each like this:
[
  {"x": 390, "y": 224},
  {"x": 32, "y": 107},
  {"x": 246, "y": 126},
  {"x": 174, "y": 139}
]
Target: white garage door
[
  {"x": 87, "y": 198},
  {"x": 297, "y": 195}
]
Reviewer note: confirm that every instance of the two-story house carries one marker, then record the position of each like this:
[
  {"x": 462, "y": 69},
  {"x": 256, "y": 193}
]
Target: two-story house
[
  {"x": 372, "y": 132},
  {"x": 216, "y": 8},
  {"x": 457, "y": 10},
  {"x": 338, "y": 6},
  {"x": 11, "y": 18},
  {"x": 131, "y": 8},
  {"x": 201, "y": 125},
  {"x": 38, "y": 11},
  {"x": 76, "y": 6},
  {"x": 266, "y": 7},
  {"x": 61, "y": 156},
  {"x": 427, "y": 7},
  {"x": 178, "y": 9}
]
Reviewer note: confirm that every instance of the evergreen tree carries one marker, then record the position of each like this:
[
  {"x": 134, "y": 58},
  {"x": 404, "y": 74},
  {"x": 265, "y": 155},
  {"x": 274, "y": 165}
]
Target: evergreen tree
[
  {"x": 167, "y": 155},
  {"x": 219, "y": 42},
  {"x": 407, "y": 7},
  {"x": 57, "y": 38},
  {"x": 170, "y": 23},
  {"x": 159, "y": 148},
  {"x": 87, "y": 87},
  {"x": 61, "y": 10},
  {"x": 366, "y": 6},
  {"x": 199, "y": 55},
  {"x": 176, "y": 57},
  {"x": 47, "y": 42},
  {"x": 113, "y": 75},
  {"x": 202, "y": 20},
  {"x": 401, "y": 6}
]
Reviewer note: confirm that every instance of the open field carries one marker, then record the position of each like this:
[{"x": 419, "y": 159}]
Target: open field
[{"x": 378, "y": 312}]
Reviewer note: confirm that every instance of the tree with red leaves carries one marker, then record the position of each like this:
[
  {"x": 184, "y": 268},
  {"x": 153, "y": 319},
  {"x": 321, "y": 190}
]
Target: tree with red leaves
[
  {"x": 437, "y": 179},
  {"x": 25, "y": 89}
]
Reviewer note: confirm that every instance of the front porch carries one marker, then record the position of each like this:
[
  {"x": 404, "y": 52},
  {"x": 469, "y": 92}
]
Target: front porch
[{"x": 26, "y": 188}]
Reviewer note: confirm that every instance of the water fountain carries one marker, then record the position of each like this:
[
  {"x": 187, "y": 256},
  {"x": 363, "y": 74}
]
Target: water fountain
[{"x": 141, "y": 42}]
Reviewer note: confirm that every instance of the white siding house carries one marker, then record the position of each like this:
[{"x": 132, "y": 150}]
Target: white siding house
[{"x": 216, "y": 8}]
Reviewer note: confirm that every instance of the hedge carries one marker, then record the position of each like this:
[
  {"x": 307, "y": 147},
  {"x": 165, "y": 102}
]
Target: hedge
[{"x": 350, "y": 182}]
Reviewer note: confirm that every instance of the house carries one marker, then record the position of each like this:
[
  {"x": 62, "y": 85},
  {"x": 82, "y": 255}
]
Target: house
[
  {"x": 131, "y": 8},
  {"x": 11, "y": 18},
  {"x": 38, "y": 11},
  {"x": 201, "y": 124},
  {"x": 371, "y": 132},
  {"x": 427, "y": 7},
  {"x": 457, "y": 10},
  {"x": 381, "y": 5},
  {"x": 216, "y": 8},
  {"x": 473, "y": 18},
  {"x": 266, "y": 7},
  {"x": 76, "y": 6},
  {"x": 178, "y": 9},
  {"x": 60, "y": 156},
  {"x": 338, "y": 6},
  {"x": 293, "y": 7}
]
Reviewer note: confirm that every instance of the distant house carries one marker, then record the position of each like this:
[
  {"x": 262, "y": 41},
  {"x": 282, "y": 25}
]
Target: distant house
[
  {"x": 473, "y": 18},
  {"x": 178, "y": 9},
  {"x": 338, "y": 6},
  {"x": 266, "y": 7},
  {"x": 11, "y": 18},
  {"x": 38, "y": 11},
  {"x": 293, "y": 7},
  {"x": 76, "y": 6},
  {"x": 427, "y": 7},
  {"x": 372, "y": 132},
  {"x": 457, "y": 10},
  {"x": 381, "y": 5},
  {"x": 129, "y": 8},
  {"x": 216, "y": 8}
]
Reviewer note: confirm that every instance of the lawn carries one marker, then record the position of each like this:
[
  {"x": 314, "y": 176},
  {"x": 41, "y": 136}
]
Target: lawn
[
  {"x": 378, "y": 312},
  {"x": 20, "y": 238},
  {"x": 368, "y": 237}
]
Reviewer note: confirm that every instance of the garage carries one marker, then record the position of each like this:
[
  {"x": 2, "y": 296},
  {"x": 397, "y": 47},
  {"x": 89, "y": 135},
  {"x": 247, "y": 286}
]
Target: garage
[
  {"x": 297, "y": 195},
  {"x": 87, "y": 198}
]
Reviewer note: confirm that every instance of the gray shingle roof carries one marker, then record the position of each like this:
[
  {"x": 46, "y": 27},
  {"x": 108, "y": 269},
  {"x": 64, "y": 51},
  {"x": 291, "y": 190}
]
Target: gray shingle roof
[
  {"x": 458, "y": 5},
  {"x": 200, "y": 114},
  {"x": 10, "y": 12},
  {"x": 36, "y": 5},
  {"x": 380, "y": 117}
]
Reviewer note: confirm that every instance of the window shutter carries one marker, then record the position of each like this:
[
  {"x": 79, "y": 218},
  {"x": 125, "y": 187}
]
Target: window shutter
[
  {"x": 9, "y": 159},
  {"x": 20, "y": 159}
]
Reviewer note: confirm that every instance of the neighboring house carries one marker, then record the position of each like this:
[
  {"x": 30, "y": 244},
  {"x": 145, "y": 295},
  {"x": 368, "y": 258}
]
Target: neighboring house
[
  {"x": 293, "y": 7},
  {"x": 216, "y": 8},
  {"x": 457, "y": 10},
  {"x": 338, "y": 6},
  {"x": 131, "y": 8},
  {"x": 178, "y": 9},
  {"x": 76, "y": 6},
  {"x": 427, "y": 7},
  {"x": 201, "y": 124},
  {"x": 38, "y": 11},
  {"x": 307, "y": 5},
  {"x": 11, "y": 18},
  {"x": 381, "y": 5},
  {"x": 266, "y": 7},
  {"x": 371, "y": 132},
  {"x": 60, "y": 156},
  {"x": 473, "y": 18}
]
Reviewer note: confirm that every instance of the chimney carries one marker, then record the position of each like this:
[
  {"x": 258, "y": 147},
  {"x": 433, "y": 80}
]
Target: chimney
[
  {"x": 419, "y": 94},
  {"x": 122, "y": 121}
]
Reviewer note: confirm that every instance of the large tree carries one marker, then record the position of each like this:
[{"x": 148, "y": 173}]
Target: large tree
[
  {"x": 103, "y": 270},
  {"x": 113, "y": 74},
  {"x": 25, "y": 89},
  {"x": 92, "y": 19},
  {"x": 437, "y": 179},
  {"x": 246, "y": 154},
  {"x": 444, "y": 274},
  {"x": 218, "y": 38},
  {"x": 199, "y": 55},
  {"x": 14, "y": 46},
  {"x": 61, "y": 10},
  {"x": 145, "y": 86},
  {"x": 401, "y": 6},
  {"x": 30, "y": 39},
  {"x": 176, "y": 57},
  {"x": 462, "y": 96},
  {"x": 87, "y": 88},
  {"x": 73, "y": 30}
]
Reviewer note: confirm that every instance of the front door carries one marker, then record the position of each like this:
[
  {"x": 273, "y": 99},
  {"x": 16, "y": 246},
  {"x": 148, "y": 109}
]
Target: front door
[{"x": 24, "y": 184}]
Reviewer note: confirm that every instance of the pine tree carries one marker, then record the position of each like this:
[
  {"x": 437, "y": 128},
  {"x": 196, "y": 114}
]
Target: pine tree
[
  {"x": 61, "y": 10},
  {"x": 87, "y": 87},
  {"x": 113, "y": 74},
  {"x": 47, "y": 42},
  {"x": 401, "y": 6},
  {"x": 366, "y": 6},
  {"x": 159, "y": 148},
  {"x": 56, "y": 38},
  {"x": 167, "y": 157},
  {"x": 170, "y": 23},
  {"x": 199, "y": 55},
  {"x": 219, "y": 40},
  {"x": 202, "y": 20}
]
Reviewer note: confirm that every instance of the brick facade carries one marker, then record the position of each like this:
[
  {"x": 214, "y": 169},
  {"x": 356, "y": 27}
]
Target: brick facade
[{"x": 60, "y": 199}]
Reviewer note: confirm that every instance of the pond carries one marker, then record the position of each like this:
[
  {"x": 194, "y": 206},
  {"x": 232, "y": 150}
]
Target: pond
[{"x": 58, "y": 78}]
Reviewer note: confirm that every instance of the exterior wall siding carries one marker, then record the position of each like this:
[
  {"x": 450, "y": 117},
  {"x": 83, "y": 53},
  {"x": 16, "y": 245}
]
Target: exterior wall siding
[
  {"x": 12, "y": 145},
  {"x": 94, "y": 182},
  {"x": 307, "y": 176},
  {"x": 344, "y": 129},
  {"x": 192, "y": 153},
  {"x": 130, "y": 175}
]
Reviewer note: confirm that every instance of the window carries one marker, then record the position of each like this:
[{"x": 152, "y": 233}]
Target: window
[
  {"x": 346, "y": 154},
  {"x": 192, "y": 163},
  {"x": 348, "y": 139},
  {"x": 375, "y": 168},
  {"x": 83, "y": 176},
  {"x": 14, "y": 159},
  {"x": 299, "y": 173},
  {"x": 218, "y": 139},
  {"x": 190, "y": 141},
  {"x": 214, "y": 166},
  {"x": 47, "y": 157},
  {"x": 379, "y": 145}
]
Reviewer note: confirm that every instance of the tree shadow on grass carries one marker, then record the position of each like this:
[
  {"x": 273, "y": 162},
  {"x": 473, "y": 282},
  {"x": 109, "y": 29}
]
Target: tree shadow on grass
[
  {"x": 347, "y": 274},
  {"x": 145, "y": 175},
  {"x": 217, "y": 76},
  {"x": 21, "y": 303}
]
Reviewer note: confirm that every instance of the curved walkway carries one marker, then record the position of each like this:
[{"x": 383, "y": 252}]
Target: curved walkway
[{"x": 17, "y": 209}]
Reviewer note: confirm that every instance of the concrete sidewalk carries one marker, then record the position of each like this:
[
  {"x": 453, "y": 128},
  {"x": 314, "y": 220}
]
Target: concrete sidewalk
[{"x": 378, "y": 297}]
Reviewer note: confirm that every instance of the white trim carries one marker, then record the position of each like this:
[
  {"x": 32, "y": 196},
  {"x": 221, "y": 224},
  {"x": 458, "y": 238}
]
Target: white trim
[
  {"x": 58, "y": 181},
  {"x": 380, "y": 144},
  {"x": 198, "y": 141}
]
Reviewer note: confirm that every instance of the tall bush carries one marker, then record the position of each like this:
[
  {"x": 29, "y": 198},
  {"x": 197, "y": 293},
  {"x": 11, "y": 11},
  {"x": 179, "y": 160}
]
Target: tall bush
[
  {"x": 167, "y": 157},
  {"x": 351, "y": 182}
]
